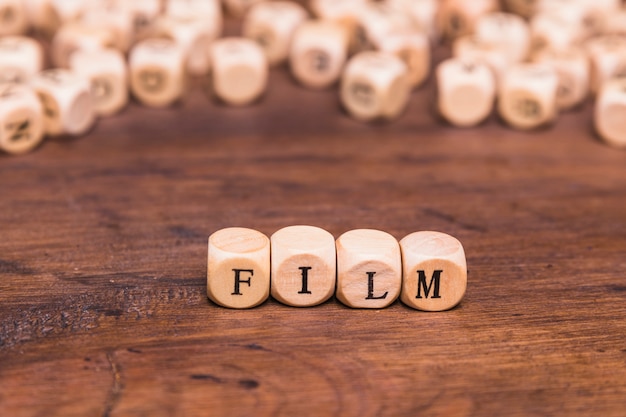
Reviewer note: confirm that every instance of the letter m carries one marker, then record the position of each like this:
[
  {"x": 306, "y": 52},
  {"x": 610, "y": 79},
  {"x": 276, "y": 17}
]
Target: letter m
[{"x": 433, "y": 284}]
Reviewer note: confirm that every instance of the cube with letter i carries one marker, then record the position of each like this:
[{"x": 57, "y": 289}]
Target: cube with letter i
[
  {"x": 369, "y": 269},
  {"x": 303, "y": 265},
  {"x": 434, "y": 271},
  {"x": 238, "y": 272}
]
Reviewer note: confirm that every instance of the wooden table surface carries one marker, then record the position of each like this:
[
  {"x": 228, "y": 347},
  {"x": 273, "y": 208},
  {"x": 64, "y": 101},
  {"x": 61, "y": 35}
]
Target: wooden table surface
[{"x": 103, "y": 245}]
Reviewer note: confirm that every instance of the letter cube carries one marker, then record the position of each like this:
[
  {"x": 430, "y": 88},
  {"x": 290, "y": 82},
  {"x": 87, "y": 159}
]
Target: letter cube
[
  {"x": 75, "y": 36},
  {"x": 318, "y": 53},
  {"x": 346, "y": 13},
  {"x": 610, "y": 112},
  {"x": 20, "y": 59},
  {"x": 13, "y": 18},
  {"x": 240, "y": 70},
  {"x": 470, "y": 48},
  {"x": 607, "y": 55},
  {"x": 458, "y": 17},
  {"x": 434, "y": 271},
  {"x": 422, "y": 12},
  {"x": 115, "y": 19},
  {"x": 376, "y": 21},
  {"x": 466, "y": 91},
  {"x": 66, "y": 101},
  {"x": 375, "y": 86},
  {"x": 369, "y": 269},
  {"x": 157, "y": 72},
  {"x": 414, "y": 49},
  {"x": 107, "y": 74},
  {"x": 21, "y": 119},
  {"x": 547, "y": 31},
  {"x": 272, "y": 26},
  {"x": 303, "y": 265},
  {"x": 506, "y": 31},
  {"x": 238, "y": 271},
  {"x": 527, "y": 96},
  {"x": 572, "y": 68}
]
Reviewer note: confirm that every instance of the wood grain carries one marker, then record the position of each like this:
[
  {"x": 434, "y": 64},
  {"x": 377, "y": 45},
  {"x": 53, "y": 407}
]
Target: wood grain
[{"x": 103, "y": 307}]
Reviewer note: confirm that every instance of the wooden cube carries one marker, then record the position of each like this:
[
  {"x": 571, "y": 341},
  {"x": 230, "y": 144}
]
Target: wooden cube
[
  {"x": 547, "y": 31},
  {"x": 506, "y": 31},
  {"x": 272, "y": 26},
  {"x": 13, "y": 18},
  {"x": 20, "y": 59},
  {"x": 527, "y": 96},
  {"x": 413, "y": 48},
  {"x": 66, "y": 101},
  {"x": 346, "y": 13},
  {"x": 21, "y": 119},
  {"x": 377, "y": 21},
  {"x": 72, "y": 37},
  {"x": 318, "y": 53},
  {"x": 303, "y": 264},
  {"x": 610, "y": 113},
  {"x": 238, "y": 8},
  {"x": 194, "y": 36},
  {"x": 238, "y": 271},
  {"x": 470, "y": 48},
  {"x": 144, "y": 14},
  {"x": 607, "y": 55},
  {"x": 572, "y": 68},
  {"x": 369, "y": 269},
  {"x": 157, "y": 72},
  {"x": 114, "y": 19},
  {"x": 106, "y": 71},
  {"x": 422, "y": 12},
  {"x": 375, "y": 86},
  {"x": 434, "y": 271},
  {"x": 466, "y": 91},
  {"x": 240, "y": 70},
  {"x": 458, "y": 17}
]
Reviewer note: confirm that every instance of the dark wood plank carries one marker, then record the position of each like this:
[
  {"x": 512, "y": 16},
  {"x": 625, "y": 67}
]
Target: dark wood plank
[{"x": 103, "y": 263}]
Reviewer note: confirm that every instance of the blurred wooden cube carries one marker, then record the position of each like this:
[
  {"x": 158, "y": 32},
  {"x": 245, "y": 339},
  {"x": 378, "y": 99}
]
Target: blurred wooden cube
[
  {"x": 471, "y": 48},
  {"x": 66, "y": 101},
  {"x": 20, "y": 59},
  {"x": 21, "y": 119},
  {"x": 318, "y": 53},
  {"x": 240, "y": 70},
  {"x": 466, "y": 91},
  {"x": 272, "y": 25},
  {"x": 527, "y": 96},
  {"x": 610, "y": 112},
  {"x": 157, "y": 69},
  {"x": 106, "y": 71},
  {"x": 75, "y": 36},
  {"x": 413, "y": 48},
  {"x": 374, "y": 86},
  {"x": 607, "y": 55},
  {"x": 506, "y": 31}
]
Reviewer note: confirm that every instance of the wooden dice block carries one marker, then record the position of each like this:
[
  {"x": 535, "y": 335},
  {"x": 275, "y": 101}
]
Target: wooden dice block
[
  {"x": 458, "y": 17},
  {"x": 610, "y": 113},
  {"x": 434, "y": 271},
  {"x": 507, "y": 31},
  {"x": 107, "y": 74},
  {"x": 346, "y": 13},
  {"x": 375, "y": 86},
  {"x": 21, "y": 119},
  {"x": 238, "y": 8},
  {"x": 113, "y": 19},
  {"x": 240, "y": 70},
  {"x": 20, "y": 59},
  {"x": 194, "y": 36},
  {"x": 607, "y": 55},
  {"x": 413, "y": 48},
  {"x": 303, "y": 265},
  {"x": 422, "y": 12},
  {"x": 238, "y": 271},
  {"x": 72, "y": 37},
  {"x": 377, "y": 21},
  {"x": 470, "y": 48},
  {"x": 318, "y": 53},
  {"x": 144, "y": 14},
  {"x": 466, "y": 91},
  {"x": 527, "y": 96},
  {"x": 369, "y": 269},
  {"x": 157, "y": 72},
  {"x": 547, "y": 31},
  {"x": 572, "y": 68},
  {"x": 13, "y": 18},
  {"x": 272, "y": 26},
  {"x": 66, "y": 100}
]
